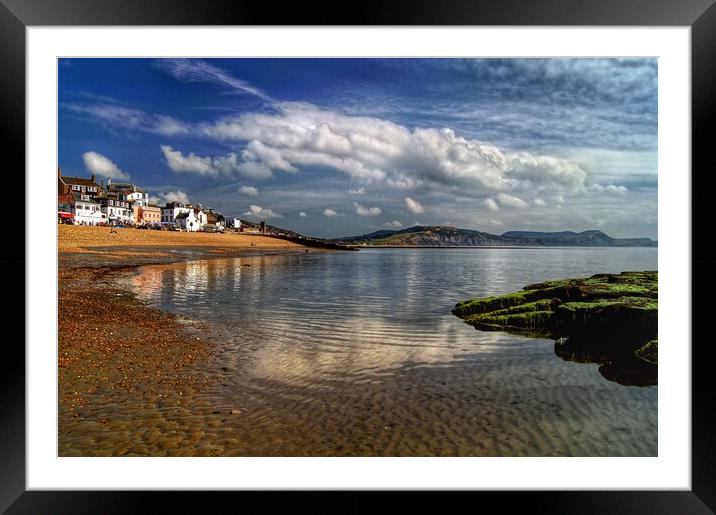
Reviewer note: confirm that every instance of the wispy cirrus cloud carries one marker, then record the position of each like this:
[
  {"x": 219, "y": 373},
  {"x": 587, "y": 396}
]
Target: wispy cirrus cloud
[
  {"x": 194, "y": 70},
  {"x": 126, "y": 118}
]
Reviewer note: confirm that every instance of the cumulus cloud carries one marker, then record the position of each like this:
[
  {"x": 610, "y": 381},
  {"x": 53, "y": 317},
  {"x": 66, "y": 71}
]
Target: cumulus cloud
[
  {"x": 491, "y": 204},
  {"x": 413, "y": 205},
  {"x": 366, "y": 211},
  {"x": 395, "y": 224},
  {"x": 371, "y": 149},
  {"x": 214, "y": 167},
  {"x": 287, "y": 136},
  {"x": 539, "y": 202},
  {"x": 249, "y": 190},
  {"x": 329, "y": 212},
  {"x": 261, "y": 212},
  {"x": 368, "y": 149},
  {"x": 102, "y": 166},
  {"x": 609, "y": 189},
  {"x": 170, "y": 196},
  {"x": 302, "y": 214},
  {"x": 510, "y": 200},
  {"x": 270, "y": 158}
]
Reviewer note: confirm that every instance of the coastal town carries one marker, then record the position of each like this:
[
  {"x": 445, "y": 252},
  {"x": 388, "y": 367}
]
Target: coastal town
[{"x": 89, "y": 201}]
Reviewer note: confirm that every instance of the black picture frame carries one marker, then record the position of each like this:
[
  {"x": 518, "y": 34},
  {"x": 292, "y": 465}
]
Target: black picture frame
[{"x": 699, "y": 15}]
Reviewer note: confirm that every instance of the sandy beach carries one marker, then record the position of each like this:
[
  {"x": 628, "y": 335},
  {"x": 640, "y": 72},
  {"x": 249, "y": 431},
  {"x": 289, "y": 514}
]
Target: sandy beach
[{"x": 130, "y": 376}]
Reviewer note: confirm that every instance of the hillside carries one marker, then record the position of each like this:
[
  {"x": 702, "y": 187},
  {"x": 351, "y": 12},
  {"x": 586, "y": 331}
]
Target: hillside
[{"x": 445, "y": 236}]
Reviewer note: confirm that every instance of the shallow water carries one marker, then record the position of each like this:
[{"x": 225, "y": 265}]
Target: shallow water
[{"x": 357, "y": 353}]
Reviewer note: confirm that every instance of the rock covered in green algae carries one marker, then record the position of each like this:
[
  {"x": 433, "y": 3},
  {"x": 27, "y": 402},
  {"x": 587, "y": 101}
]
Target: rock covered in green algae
[
  {"x": 649, "y": 352},
  {"x": 609, "y": 310}
]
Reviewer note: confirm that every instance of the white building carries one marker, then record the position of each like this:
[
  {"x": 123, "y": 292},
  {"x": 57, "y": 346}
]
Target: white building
[
  {"x": 117, "y": 211},
  {"x": 174, "y": 209},
  {"x": 138, "y": 198},
  {"x": 201, "y": 217},
  {"x": 130, "y": 192},
  {"x": 187, "y": 221},
  {"x": 86, "y": 210}
]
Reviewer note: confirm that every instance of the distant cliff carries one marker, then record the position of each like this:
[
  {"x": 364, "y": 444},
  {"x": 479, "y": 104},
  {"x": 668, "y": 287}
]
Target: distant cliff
[{"x": 445, "y": 236}]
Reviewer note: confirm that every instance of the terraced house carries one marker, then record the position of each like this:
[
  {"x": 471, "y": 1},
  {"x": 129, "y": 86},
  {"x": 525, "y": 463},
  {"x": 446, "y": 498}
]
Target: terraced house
[
  {"x": 77, "y": 200},
  {"x": 67, "y": 184}
]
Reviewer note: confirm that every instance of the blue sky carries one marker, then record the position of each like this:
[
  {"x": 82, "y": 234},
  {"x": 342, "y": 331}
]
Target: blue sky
[{"x": 336, "y": 147}]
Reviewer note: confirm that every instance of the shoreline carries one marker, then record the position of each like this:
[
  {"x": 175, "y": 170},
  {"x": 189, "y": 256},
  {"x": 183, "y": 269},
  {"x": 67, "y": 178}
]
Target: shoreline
[
  {"x": 131, "y": 376},
  {"x": 503, "y": 247}
]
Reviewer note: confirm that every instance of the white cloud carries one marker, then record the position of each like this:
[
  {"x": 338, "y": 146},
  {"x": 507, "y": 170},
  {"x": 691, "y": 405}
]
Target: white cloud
[
  {"x": 491, "y": 204},
  {"x": 193, "y": 70},
  {"x": 368, "y": 149},
  {"x": 262, "y": 212},
  {"x": 102, "y": 166},
  {"x": 510, "y": 200},
  {"x": 249, "y": 190},
  {"x": 395, "y": 224},
  {"x": 214, "y": 167},
  {"x": 375, "y": 150},
  {"x": 539, "y": 202},
  {"x": 258, "y": 152},
  {"x": 610, "y": 189},
  {"x": 329, "y": 212},
  {"x": 289, "y": 135},
  {"x": 170, "y": 196},
  {"x": 302, "y": 214},
  {"x": 413, "y": 205},
  {"x": 131, "y": 119},
  {"x": 366, "y": 211}
]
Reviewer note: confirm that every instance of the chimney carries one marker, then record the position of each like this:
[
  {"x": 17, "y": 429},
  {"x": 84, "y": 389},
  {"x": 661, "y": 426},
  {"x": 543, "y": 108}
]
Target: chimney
[
  {"x": 59, "y": 172},
  {"x": 92, "y": 178}
]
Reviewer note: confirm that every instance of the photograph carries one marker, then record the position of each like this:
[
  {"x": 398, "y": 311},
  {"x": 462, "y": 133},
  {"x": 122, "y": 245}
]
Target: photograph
[{"x": 357, "y": 256}]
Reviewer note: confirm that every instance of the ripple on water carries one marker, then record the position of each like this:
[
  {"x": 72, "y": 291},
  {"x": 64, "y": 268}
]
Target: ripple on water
[{"x": 357, "y": 354}]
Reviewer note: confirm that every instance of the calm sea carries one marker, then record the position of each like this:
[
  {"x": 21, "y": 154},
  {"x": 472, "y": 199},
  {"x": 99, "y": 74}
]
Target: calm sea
[{"x": 357, "y": 353}]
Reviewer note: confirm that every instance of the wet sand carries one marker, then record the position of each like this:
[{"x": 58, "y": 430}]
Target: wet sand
[{"x": 129, "y": 375}]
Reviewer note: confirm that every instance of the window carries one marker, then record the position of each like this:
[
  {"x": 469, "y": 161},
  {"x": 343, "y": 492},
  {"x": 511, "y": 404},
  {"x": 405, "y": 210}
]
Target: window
[{"x": 75, "y": 187}]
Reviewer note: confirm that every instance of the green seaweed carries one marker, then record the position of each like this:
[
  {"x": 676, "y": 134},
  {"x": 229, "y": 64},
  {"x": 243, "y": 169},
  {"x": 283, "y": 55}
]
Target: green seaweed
[
  {"x": 649, "y": 352},
  {"x": 604, "y": 311}
]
